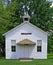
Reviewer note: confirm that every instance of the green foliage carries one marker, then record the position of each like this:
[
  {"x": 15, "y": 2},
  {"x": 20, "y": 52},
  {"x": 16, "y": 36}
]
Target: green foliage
[
  {"x": 50, "y": 56},
  {"x": 42, "y": 12},
  {"x": 50, "y": 44}
]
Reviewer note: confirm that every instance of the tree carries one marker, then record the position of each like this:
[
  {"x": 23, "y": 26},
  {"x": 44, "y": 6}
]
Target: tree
[
  {"x": 50, "y": 44},
  {"x": 3, "y": 27},
  {"x": 1, "y": 13},
  {"x": 40, "y": 12}
]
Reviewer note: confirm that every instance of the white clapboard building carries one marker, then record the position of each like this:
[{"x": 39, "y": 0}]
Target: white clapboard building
[{"x": 26, "y": 41}]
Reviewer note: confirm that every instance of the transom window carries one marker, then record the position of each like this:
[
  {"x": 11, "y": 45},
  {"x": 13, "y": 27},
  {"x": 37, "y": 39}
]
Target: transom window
[
  {"x": 39, "y": 45},
  {"x": 26, "y": 33}
]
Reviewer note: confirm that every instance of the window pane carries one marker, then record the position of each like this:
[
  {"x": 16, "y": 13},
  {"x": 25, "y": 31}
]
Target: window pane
[
  {"x": 39, "y": 42},
  {"x": 13, "y": 42},
  {"x": 38, "y": 48},
  {"x": 13, "y": 48}
]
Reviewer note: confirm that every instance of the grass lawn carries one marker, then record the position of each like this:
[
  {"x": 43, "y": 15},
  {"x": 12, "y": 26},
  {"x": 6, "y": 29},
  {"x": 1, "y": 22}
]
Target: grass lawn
[{"x": 48, "y": 61}]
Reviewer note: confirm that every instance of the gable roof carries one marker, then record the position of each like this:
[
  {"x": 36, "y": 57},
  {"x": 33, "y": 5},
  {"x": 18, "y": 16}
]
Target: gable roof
[{"x": 22, "y": 25}]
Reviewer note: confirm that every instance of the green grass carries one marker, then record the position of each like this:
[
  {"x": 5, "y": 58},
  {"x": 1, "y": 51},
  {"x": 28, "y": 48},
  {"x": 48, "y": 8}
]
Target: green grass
[{"x": 48, "y": 61}]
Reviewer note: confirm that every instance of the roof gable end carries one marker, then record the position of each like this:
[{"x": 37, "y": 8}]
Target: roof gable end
[{"x": 22, "y": 25}]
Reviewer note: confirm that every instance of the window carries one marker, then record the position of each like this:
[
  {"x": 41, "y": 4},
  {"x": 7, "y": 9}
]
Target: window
[
  {"x": 39, "y": 45},
  {"x": 26, "y": 33},
  {"x": 38, "y": 48},
  {"x": 13, "y": 48},
  {"x": 26, "y": 19},
  {"x": 13, "y": 45},
  {"x": 13, "y": 42}
]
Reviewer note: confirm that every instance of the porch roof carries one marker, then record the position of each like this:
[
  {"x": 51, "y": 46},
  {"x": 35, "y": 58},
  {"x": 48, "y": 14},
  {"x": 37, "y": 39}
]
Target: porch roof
[{"x": 27, "y": 42}]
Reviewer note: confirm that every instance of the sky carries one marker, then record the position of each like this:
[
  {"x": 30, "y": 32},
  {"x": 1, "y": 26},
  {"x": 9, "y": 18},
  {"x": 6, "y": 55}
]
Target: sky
[
  {"x": 51, "y": 5},
  {"x": 47, "y": 0},
  {"x": 50, "y": 0}
]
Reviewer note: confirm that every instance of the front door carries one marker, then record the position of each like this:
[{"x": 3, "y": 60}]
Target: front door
[{"x": 26, "y": 51}]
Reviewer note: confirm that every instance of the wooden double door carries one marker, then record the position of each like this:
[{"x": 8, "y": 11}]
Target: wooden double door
[{"x": 26, "y": 51}]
